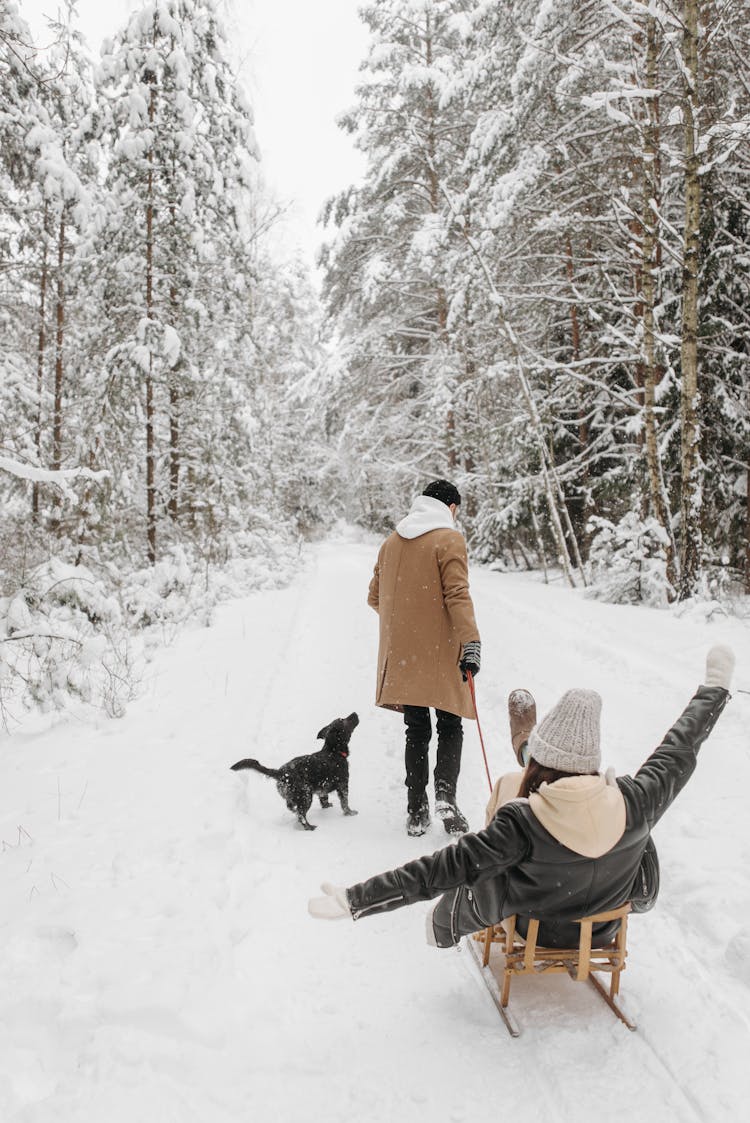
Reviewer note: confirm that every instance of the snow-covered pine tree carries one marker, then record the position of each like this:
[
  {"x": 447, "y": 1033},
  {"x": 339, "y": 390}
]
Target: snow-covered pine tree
[
  {"x": 724, "y": 292},
  {"x": 562, "y": 241},
  {"x": 178, "y": 246},
  {"x": 152, "y": 333},
  {"x": 57, "y": 219},
  {"x": 702, "y": 113},
  {"x": 385, "y": 284},
  {"x": 45, "y": 210},
  {"x": 19, "y": 109}
]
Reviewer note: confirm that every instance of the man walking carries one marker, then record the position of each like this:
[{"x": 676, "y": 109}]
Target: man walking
[{"x": 428, "y": 641}]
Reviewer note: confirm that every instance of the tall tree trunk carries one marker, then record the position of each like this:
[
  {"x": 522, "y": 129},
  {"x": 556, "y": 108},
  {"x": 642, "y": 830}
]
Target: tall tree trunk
[
  {"x": 57, "y": 409},
  {"x": 637, "y": 227},
  {"x": 747, "y": 529},
  {"x": 40, "y": 356},
  {"x": 433, "y": 183},
  {"x": 690, "y": 473},
  {"x": 539, "y": 540},
  {"x": 659, "y": 503},
  {"x": 583, "y": 425},
  {"x": 174, "y": 387},
  {"x": 174, "y": 445},
  {"x": 174, "y": 407},
  {"x": 433, "y": 188},
  {"x": 575, "y": 328},
  {"x": 450, "y": 429},
  {"x": 150, "y": 435}
]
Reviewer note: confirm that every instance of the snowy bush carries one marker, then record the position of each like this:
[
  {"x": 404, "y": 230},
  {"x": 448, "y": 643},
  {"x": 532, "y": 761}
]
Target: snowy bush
[
  {"x": 186, "y": 585},
  {"x": 628, "y": 561},
  {"x": 161, "y": 594},
  {"x": 80, "y": 633},
  {"x": 62, "y": 638},
  {"x": 721, "y": 594}
]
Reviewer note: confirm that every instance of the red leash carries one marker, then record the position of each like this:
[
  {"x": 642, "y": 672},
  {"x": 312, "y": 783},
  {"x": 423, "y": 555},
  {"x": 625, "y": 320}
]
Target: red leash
[{"x": 470, "y": 677}]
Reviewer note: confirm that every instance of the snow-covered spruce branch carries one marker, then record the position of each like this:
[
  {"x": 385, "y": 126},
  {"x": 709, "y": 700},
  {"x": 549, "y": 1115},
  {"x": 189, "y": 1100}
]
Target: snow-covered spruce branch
[
  {"x": 572, "y": 369},
  {"x": 65, "y": 580},
  {"x": 43, "y": 475},
  {"x": 14, "y": 42}
]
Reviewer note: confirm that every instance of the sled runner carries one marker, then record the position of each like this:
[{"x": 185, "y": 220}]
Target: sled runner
[{"x": 526, "y": 957}]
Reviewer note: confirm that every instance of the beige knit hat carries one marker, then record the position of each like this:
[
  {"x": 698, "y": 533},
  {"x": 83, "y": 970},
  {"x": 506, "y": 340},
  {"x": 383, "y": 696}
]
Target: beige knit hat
[{"x": 567, "y": 738}]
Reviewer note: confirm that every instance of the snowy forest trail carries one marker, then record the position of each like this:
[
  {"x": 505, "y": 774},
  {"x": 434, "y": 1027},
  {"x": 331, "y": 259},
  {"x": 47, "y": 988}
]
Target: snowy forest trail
[{"x": 158, "y": 958}]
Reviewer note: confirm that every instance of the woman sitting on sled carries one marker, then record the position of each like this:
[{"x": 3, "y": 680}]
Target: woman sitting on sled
[{"x": 568, "y": 843}]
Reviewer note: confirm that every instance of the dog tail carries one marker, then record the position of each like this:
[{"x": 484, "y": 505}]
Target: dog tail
[{"x": 255, "y": 764}]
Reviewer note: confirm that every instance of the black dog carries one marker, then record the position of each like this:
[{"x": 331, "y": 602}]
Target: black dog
[{"x": 315, "y": 774}]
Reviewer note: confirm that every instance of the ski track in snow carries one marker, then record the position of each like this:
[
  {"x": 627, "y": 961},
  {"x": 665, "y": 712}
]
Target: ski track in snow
[{"x": 158, "y": 959}]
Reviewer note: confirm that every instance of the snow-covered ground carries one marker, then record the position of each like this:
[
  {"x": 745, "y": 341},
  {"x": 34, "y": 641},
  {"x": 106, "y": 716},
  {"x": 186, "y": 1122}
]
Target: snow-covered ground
[{"x": 158, "y": 962}]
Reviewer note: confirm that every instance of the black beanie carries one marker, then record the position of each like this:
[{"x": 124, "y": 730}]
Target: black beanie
[{"x": 445, "y": 492}]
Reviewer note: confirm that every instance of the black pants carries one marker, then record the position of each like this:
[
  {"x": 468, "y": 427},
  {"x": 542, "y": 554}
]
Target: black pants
[{"x": 450, "y": 736}]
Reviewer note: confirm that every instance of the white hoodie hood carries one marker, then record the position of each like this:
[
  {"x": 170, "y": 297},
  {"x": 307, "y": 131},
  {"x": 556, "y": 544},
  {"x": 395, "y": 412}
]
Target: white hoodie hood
[
  {"x": 585, "y": 813},
  {"x": 426, "y": 514}
]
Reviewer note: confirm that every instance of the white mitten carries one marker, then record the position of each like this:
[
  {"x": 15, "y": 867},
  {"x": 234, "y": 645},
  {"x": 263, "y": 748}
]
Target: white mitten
[
  {"x": 719, "y": 666},
  {"x": 334, "y": 906}
]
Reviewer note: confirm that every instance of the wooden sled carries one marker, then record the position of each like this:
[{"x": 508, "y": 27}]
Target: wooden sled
[{"x": 525, "y": 957}]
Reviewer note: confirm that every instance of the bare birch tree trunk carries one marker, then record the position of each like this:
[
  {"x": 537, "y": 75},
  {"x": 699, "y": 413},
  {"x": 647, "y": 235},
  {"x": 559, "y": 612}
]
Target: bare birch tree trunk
[{"x": 690, "y": 473}]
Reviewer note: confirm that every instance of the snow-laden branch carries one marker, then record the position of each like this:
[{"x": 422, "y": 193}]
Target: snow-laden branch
[
  {"x": 47, "y": 476},
  {"x": 60, "y": 476}
]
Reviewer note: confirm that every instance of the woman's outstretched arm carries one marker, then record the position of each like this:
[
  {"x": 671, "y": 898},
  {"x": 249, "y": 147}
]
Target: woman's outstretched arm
[
  {"x": 666, "y": 772},
  {"x": 475, "y": 856}
]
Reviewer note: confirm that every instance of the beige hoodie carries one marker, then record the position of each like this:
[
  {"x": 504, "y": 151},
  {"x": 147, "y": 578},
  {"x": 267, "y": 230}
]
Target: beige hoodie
[{"x": 584, "y": 813}]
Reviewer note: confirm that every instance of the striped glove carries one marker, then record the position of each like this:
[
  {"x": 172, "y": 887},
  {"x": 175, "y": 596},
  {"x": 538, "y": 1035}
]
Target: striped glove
[{"x": 471, "y": 658}]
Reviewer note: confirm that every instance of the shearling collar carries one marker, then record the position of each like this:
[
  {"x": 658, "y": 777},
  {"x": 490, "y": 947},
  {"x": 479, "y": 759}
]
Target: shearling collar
[
  {"x": 584, "y": 813},
  {"x": 426, "y": 514}
]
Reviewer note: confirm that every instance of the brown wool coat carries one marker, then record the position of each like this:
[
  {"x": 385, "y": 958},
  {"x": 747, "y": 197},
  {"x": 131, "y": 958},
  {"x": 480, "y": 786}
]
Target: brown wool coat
[{"x": 420, "y": 590}]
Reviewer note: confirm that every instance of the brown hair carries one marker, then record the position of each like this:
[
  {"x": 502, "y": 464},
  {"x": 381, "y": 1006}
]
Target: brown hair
[{"x": 537, "y": 774}]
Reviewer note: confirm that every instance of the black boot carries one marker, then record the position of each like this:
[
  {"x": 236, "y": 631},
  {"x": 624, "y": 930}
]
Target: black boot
[
  {"x": 418, "y": 816},
  {"x": 454, "y": 820}
]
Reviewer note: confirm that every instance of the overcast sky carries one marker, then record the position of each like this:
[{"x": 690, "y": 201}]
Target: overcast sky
[{"x": 298, "y": 61}]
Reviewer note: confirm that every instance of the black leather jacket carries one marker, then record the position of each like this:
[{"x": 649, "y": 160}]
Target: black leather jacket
[{"x": 514, "y": 866}]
